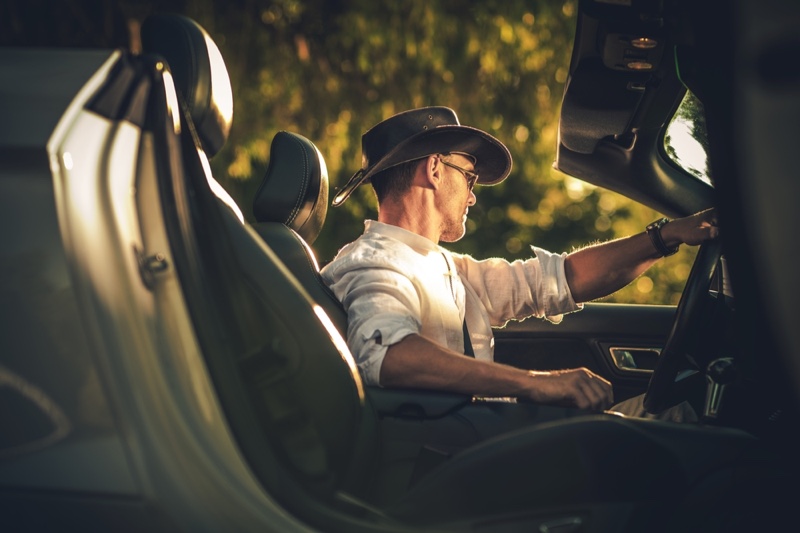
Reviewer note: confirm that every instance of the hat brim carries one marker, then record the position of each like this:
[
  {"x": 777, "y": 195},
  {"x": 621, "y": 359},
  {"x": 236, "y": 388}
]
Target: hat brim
[{"x": 493, "y": 160}]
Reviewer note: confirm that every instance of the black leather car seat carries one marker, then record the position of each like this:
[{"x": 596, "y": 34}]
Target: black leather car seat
[
  {"x": 283, "y": 375},
  {"x": 290, "y": 206}
]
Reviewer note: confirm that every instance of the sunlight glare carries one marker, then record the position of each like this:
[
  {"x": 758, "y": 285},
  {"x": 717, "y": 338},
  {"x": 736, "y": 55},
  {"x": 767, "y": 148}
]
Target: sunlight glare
[
  {"x": 219, "y": 78},
  {"x": 172, "y": 101},
  {"x": 340, "y": 344},
  {"x": 689, "y": 153}
]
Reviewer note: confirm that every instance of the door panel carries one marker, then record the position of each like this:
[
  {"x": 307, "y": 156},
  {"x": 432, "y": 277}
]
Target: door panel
[{"x": 587, "y": 338}]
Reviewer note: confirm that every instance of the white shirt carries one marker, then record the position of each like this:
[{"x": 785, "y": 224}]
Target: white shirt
[{"x": 394, "y": 283}]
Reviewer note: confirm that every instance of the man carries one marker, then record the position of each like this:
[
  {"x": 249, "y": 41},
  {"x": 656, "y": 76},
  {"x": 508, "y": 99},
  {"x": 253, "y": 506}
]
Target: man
[{"x": 415, "y": 309}]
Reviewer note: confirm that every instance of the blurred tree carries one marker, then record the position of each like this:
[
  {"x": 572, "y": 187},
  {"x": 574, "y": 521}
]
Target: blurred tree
[{"x": 329, "y": 70}]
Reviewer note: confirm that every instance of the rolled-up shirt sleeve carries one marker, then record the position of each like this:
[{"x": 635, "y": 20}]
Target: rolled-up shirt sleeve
[
  {"x": 520, "y": 289},
  {"x": 383, "y": 307}
]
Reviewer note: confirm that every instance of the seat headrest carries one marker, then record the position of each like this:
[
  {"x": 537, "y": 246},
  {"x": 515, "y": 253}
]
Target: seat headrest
[
  {"x": 294, "y": 191},
  {"x": 199, "y": 72}
]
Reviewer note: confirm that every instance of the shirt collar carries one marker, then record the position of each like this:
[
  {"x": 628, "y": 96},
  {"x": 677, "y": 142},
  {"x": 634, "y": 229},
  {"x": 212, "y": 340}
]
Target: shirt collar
[{"x": 418, "y": 242}]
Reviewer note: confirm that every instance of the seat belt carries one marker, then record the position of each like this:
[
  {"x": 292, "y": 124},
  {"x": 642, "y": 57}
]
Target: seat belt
[
  {"x": 467, "y": 342},
  {"x": 468, "y": 351}
]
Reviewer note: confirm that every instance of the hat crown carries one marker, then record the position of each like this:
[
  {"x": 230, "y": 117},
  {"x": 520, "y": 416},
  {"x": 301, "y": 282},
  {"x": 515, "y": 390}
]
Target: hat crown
[{"x": 385, "y": 136}]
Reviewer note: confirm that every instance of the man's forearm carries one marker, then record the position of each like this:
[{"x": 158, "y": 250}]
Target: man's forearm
[
  {"x": 601, "y": 269},
  {"x": 416, "y": 362}
]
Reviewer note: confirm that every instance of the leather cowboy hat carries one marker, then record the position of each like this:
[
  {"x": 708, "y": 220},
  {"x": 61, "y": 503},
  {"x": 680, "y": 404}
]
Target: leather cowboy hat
[{"x": 422, "y": 132}]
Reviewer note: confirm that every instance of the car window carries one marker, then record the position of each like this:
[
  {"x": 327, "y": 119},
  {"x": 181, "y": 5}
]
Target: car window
[{"x": 686, "y": 139}]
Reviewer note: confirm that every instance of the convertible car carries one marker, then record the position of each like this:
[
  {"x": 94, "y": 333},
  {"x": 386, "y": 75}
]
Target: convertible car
[{"x": 166, "y": 365}]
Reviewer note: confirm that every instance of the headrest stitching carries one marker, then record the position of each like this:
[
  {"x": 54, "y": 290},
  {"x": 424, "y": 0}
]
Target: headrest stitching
[{"x": 304, "y": 188}]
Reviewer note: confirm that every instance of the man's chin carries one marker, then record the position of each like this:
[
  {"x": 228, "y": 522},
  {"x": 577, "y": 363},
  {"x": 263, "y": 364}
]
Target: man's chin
[{"x": 453, "y": 237}]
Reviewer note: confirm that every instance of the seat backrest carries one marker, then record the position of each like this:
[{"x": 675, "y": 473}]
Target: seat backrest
[
  {"x": 290, "y": 207},
  {"x": 289, "y": 387}
]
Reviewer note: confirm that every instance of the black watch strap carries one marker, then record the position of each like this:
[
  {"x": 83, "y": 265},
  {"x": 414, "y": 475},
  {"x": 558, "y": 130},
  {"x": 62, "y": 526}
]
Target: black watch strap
[{"x": 654, "y": 231}]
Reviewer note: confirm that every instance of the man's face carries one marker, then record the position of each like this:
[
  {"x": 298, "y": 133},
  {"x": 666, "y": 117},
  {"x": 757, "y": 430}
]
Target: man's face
[{"x": 457, "y": 195}]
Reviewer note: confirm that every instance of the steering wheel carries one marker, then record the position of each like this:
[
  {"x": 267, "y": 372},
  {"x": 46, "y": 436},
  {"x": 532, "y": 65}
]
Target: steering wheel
[{"x": 687, "y": 327}]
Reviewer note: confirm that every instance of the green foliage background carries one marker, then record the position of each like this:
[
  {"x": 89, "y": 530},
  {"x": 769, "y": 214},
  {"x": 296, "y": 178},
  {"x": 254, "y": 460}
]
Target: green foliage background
[{"x": 329, "y": 70}]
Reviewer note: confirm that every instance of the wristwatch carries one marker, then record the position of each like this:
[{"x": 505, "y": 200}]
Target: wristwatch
[{"x": 654, "y": 231}]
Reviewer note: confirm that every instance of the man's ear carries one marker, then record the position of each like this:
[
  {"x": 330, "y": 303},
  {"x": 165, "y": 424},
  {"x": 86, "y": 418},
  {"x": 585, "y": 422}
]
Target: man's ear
[{"x": 434, "y": 171}]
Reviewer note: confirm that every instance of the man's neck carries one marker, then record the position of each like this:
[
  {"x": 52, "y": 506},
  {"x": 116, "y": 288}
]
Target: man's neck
[{"x": 413, "y": 217}]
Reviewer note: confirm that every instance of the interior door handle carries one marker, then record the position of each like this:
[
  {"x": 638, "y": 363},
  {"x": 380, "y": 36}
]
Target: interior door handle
[{"x": 635, "y": 360}]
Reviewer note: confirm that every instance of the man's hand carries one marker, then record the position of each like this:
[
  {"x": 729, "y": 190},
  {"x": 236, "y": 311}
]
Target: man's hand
[
  {"x": 692, "y": 230},
  {"x": 579, "y": 387}
]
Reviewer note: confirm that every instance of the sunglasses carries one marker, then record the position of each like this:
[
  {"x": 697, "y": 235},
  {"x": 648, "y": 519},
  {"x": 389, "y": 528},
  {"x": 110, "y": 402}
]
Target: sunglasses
[{"x": 472, "y": 177}]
